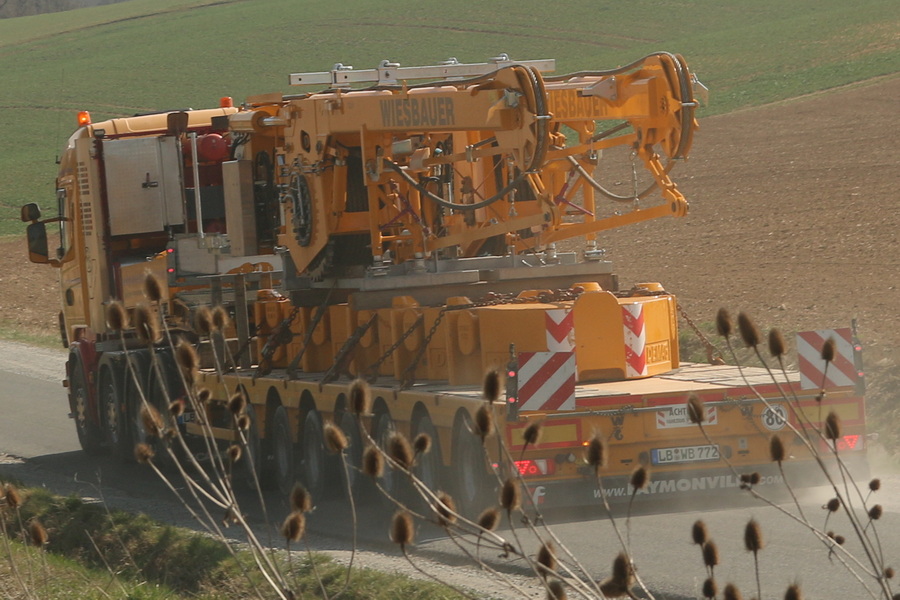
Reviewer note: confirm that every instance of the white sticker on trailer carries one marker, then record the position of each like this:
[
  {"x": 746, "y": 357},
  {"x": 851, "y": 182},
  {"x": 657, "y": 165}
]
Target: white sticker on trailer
[{"x": 677, "y": 416}]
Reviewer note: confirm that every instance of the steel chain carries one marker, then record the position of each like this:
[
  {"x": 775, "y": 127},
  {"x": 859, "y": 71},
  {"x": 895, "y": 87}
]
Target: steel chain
[{"x": 713, "y": 354}]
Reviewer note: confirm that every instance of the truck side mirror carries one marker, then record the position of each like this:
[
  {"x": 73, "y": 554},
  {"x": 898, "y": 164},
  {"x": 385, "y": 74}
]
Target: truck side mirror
[
  {"x": 31, "y": 212},
  {"x": 37, "y": 242}
]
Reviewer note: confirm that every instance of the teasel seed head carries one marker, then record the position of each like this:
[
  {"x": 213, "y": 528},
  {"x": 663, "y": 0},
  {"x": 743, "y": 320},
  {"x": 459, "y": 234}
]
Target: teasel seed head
[
  {"x": 510, "y": 496},
  {"x": 145, "y": 324},
  {"x": 187, "y": 359},
  {"x": 828, "y": 350},
  {"x": 203, "y": 321},
  {"x": 832, "y": 426},
  {"x": 402, "y": 530},
  {"x": 596, "y": 453},
  {"x": 152, "y": 421},
  {"x": 793, "y": 592},
  {"x": 833, "y": 505},
  {"x": 639, "y": 478},
  {"x": 556, "y": 590},
  {"x": 400, "y": 450},
  {"x": 695, "y": 410},
  {"x": 244, "y": 422},
  {"x": 143, "y": 453},
  {"x": 13, "y": 497},
  {"x": 776, "y": 449},
  {"x": 422, "y": 444},
  {"x": 152, "y": 289},
  {"x": 203, "y": 395},
  {"x": 237, "y": 404},
  {"x": 875, "y": 485},
  {"x": 710, "y": 554},
  {"x": 619, "y": 583},
  {"x": 484, "y": 422},
  {"x": 489, "y": 519},
  {"x": 234, "y": 453},
  {"x": 748, "y": 330},
  {"x": 335, "y": 440},
  {"x": 176, "y": 408},
  {"x": 300, "y": 499},
  {"x": 731, "y": 593},
  {"x": 875, "y": 512},
  {"x": 889, "y": 572},
  {"x": 446, "y": 509},
  {"x": 723, "y": 323},
  {"x": 116, "y": 317},
  {"x": 37, "y": 533},
  {"x": 373, "y": 462},
  {"x": 532, "y": 433},
  {"x": 360, "y": 397},
  {"x": 776, "y": 343},
  {"x": 294, "y": 527},
  {"x": 753, "y": 540},
  {"x": 546, "y": 558},
  {"x": 220, "y": 318},
  {"x": 710, "y": 589},
  {"x": 699, "y": 533},
  {"x": 491, "y": 387}
]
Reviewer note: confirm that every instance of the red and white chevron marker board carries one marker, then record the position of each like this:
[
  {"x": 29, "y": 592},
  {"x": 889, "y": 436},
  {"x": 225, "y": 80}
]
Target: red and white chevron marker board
[
  {"x": 560, "y": 330},
  {"x": 546, "y": 380},
  {"x": 635, "y": 340},
  {"x": 841, "y": 371}
]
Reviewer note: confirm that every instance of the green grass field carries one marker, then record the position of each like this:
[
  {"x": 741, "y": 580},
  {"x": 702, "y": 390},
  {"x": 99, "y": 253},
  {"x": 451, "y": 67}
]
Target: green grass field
[{"x": 148, "y": 55}]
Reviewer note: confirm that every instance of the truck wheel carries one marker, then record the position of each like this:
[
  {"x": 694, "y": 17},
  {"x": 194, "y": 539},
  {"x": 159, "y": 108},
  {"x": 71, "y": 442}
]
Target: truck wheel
[
  {"x": 282, "y": 451},
  {"x": 353, "y": 453},
  {"x": 471, "y": 482},
  {"x": 428, "y": 466},
  {"x": 312, "y": 463},
  {"x": 391, "y": 479},
  {"x": 115, "y": 424},
  {"x": 250, "y": 466},
  {"x": 88, "y": 432}
]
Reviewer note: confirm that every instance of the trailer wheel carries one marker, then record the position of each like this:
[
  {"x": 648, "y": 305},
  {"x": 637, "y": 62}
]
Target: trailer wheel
[
  {"x": 428, "y": 465},
  {"x": 353, "y": 453},
  {"x": 391, "y": 480},
  {"x": 88, "y": 432},
  {"x": 250, "y": 466},
  {"x": 471, "y": 482},
  {"x": 312, "y": 463},
  {"x": 282, "y": 451},
  {"x": 112, "y": 408}
]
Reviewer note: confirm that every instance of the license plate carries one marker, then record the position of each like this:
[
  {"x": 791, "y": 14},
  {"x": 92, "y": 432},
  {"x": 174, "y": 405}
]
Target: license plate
[{"x": 684, "y": 454}]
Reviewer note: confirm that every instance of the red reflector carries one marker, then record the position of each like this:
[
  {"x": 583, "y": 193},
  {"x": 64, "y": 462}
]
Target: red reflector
[
  {"x": 535, "y": 467},
  {"x": 170, "y": 270},
  {"x": 511, "y": 400},
  {"x": 170, "y": 250},
  {"x": 511, "y": 374},
  {"x": 850, "y": 441}
]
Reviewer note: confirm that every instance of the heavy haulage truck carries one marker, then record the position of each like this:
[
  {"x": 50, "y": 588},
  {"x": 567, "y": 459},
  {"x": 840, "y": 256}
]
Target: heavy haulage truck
[{"x": 400, "y": 224}]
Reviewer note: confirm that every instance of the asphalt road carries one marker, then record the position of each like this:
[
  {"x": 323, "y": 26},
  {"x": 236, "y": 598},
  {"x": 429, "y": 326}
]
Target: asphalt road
[{"x": 36, "y": 430}]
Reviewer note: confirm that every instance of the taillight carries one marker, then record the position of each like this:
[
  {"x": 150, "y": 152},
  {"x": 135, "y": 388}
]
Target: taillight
[{"x": 538, "y": 466}]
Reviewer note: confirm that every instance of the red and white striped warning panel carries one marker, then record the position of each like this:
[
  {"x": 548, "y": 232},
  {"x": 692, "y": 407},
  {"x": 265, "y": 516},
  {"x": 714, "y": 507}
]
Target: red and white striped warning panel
[
  {"x": 635, "y": 340},
  {"x": 546, "y": 381},
  {"x": 813, "y": 374},
  {"x": 560, "y": 330}
]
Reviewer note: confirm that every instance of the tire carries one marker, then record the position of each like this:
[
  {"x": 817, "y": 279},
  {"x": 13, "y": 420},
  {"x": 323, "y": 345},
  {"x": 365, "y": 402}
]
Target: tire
[
  {"x": 428, "y": 466},
  {"x": 249, "y": 468},
  {"x": 113, "y": 414},
  {"x": 471, "y": 482},
  {"x": 353, "y": 454},
  {"x": 89, "y": 434},
  {"x": 313, "y": 468},
  {"x": 391, "y": 481},
  {"x": 283, "y": 459}
]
